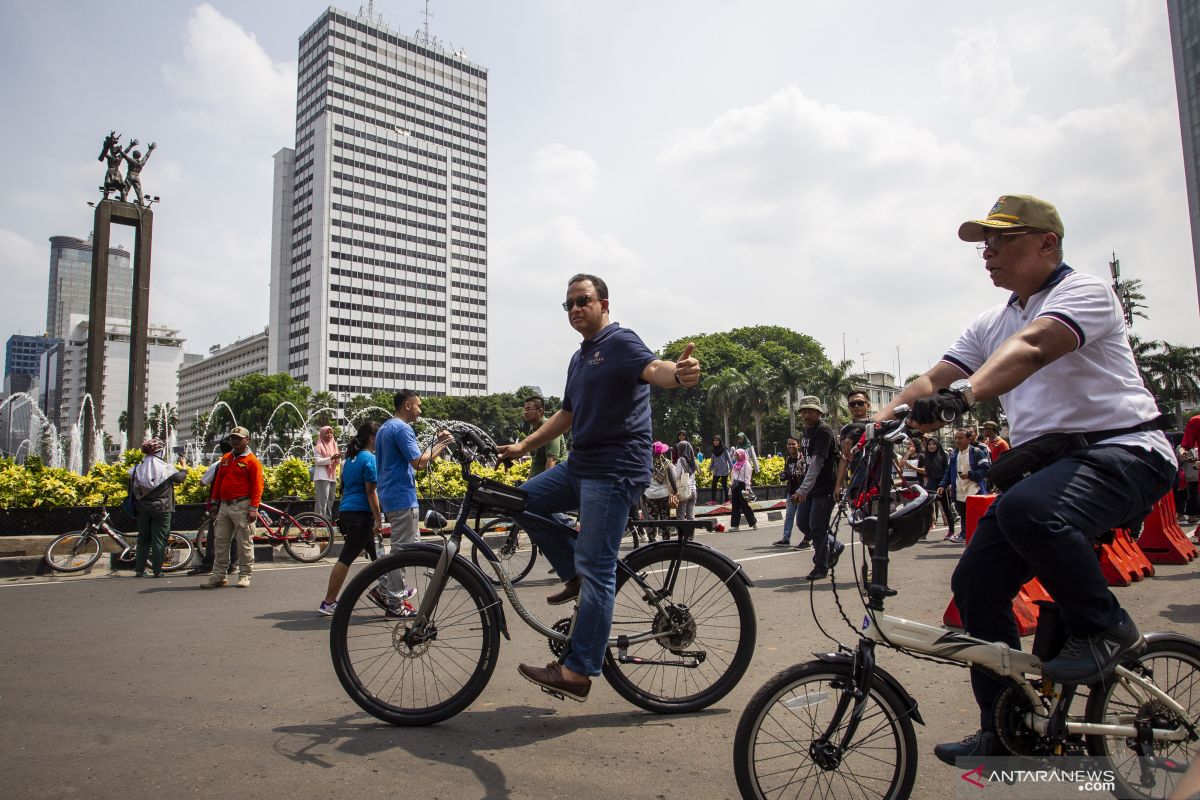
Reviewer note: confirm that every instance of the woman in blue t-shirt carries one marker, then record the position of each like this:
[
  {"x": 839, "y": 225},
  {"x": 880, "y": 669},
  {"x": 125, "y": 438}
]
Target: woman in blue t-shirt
[{"x": 359, "y": 517}]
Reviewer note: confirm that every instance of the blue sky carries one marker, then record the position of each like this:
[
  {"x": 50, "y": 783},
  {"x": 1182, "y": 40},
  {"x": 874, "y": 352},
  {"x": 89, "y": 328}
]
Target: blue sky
[{"x": 719, "y": 163}]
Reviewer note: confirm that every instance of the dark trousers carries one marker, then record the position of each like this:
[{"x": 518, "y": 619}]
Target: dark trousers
[
  {"x": 1045, "y": 526},
  {"x": 960, "y": 507},
  {"x": 358, "y": 535},
  {"x": 724, "y": 481},
  {"x": 153, "y": 528},
  {"x": 812, "y": 518},
  {"x": 1191, "y": 495},
  {"x": 741, "y": 506},
  {"x": 948, "y": 512}
]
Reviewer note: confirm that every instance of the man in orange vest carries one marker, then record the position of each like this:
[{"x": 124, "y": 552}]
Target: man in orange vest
[{"x": 237, "y": 489}]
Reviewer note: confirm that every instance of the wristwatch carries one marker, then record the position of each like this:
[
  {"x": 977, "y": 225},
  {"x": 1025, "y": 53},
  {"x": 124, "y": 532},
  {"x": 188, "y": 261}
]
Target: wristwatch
[{"x": 962, "y": 387}]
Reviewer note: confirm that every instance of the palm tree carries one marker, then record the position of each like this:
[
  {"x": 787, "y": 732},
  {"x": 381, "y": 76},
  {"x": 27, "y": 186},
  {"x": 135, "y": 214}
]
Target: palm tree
[
  {"x": 832, "y": 383},
  {"x": 1143, "y": 355},
  {"x": 758, "y": 398},
  {"x": 1132, "y": 299},
  {"x": 722, "y": 391},
  {"x": 1175, "y": 369},
  {"x": 164, "y": 417},
  {"x": 790, "y": 379}
]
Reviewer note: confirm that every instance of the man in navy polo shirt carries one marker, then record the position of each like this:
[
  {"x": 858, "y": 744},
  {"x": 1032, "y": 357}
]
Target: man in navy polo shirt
[
  {"x": 606, "y": 406},
  {"x": 1060, "y": 335}
]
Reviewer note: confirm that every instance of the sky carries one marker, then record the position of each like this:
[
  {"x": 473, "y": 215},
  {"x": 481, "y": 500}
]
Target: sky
[{"x": 719, "y": 163}]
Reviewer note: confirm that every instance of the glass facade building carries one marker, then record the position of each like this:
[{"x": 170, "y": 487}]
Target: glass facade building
[
  {"x": 1184, "y": 17},
  {"x": 379, "y": 225},
  {"x": 22, "y": 354},
  {"x": 70, "y": 289}
]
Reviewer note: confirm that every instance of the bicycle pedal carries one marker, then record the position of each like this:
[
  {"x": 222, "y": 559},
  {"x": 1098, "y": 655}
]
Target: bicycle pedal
[{"x": 555, "y": 694}]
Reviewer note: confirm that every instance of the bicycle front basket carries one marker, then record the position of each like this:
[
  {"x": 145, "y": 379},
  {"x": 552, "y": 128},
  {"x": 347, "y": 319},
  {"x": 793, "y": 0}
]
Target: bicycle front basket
[{"x": 501, "y": 496}]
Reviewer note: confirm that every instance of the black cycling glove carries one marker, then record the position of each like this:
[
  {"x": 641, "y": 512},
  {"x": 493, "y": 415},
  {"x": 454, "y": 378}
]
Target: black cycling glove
[{"x": 938, "y": 408}]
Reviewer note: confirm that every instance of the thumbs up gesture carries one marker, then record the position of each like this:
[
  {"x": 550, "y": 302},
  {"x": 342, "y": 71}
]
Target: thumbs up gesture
[{"x": 687, "y": 368}]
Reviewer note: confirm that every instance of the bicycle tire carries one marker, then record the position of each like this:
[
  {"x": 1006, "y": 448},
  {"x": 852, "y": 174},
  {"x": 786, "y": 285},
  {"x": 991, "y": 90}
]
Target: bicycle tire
[
  {"x": 201, "y": 537},
  {"x": 516, "y": 556},
  {"x": 772, "y": 759},
  {"x": 1174, "y": 666},
  {"x": 314, "y": 539},
  {"x": 379, "y": 666},
  {"x": 714, "y": 605},
  {"x": 73, "y": 552},
  {"x": 178, "y": 553}
]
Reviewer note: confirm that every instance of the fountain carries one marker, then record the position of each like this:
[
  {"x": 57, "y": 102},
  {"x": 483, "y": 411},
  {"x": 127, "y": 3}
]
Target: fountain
[{"x": 42, "y": 442}]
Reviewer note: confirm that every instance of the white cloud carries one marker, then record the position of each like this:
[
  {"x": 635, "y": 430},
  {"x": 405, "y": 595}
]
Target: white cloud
[
  {"x": 562, "y": 176},
  {"x": 978, "y": 73},
  {"x": 20, "y": 259},
  {"x": 231, "y": 82}
]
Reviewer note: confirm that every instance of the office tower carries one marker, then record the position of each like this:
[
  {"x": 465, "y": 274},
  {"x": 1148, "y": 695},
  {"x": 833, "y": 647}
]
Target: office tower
[
  {"x": 71, "y": 283},
  {"x": 21, "y": 358},
  {"x": 379, "y": 221},
  {"x": 201, "y": 379},
  {"x": 1184, "y": 17}
]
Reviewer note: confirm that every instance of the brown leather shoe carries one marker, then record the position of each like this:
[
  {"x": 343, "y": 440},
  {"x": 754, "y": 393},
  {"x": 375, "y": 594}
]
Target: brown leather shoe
[
  {"x": 552, "y": 680},
  {"x": 569, "y": 592}
]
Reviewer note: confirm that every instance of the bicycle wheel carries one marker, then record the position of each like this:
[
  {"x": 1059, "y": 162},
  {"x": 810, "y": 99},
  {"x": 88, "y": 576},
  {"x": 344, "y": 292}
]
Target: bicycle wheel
[
  {"x": 201, "y": 537},
  {"x": 400, "y": 674},
  {"x": 73, "y": 552},
  {"x": 178, "y": 553},
  {"x": 310, "y": 538},
  {"x": 1174, "y": 667},
  {"x": 511, "y": 544},
  {"x": 784, "y": 746},
  {"x": 709, "y": 619}
]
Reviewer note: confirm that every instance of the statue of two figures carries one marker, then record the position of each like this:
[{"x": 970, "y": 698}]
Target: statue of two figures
[{"x": 115, "y": 155}]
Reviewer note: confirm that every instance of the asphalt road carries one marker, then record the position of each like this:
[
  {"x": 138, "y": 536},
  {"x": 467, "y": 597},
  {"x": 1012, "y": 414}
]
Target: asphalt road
[{"x": 112, "y": 686}]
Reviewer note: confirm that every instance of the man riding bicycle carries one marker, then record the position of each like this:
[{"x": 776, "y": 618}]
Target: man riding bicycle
[{"x": 1100, "y": 463}]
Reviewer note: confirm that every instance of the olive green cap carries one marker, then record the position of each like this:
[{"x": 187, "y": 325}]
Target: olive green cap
[{"x": 1013, "y": 211}]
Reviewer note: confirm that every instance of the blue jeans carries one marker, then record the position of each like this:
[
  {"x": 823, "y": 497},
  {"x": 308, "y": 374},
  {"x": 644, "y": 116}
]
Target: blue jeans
[
  {"x": 603, "y": 505},
  {"x": 1046, "y": 526},
  {"x": 789, "y": 518},
  {"x": 812, "y": 518}
]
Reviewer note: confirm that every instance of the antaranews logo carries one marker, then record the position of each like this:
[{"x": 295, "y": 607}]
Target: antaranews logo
[
  {"x": 972, "y": 777},
  {"x": 1028, "y": 778}
]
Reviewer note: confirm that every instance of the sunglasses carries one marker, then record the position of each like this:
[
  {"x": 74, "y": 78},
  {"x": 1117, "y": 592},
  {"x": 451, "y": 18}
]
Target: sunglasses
[
  {"x": 579, "y": 302},
  {"x": 857, "y": 403},
  {"x": 998, "y": 240}
]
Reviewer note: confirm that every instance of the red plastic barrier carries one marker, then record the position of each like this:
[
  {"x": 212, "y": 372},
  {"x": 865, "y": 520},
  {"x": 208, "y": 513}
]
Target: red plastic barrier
[
  {"x": 1122, "y": 562},
  {"x": 1024, "y": 609},
  {"x": 1162, "y": 540}
]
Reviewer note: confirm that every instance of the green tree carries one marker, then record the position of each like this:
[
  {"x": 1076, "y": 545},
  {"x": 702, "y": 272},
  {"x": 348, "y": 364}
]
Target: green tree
[
  {"x": 322, "y": 408},
  {"x": 831, "y": 383},
  {"x": 758, "y": 398},
  {"x": 1132, "y": 298},
  {"x": 255, "y": 399},
  {"x": 791, "y": 376},
  {"x": 722, "y": 392},
  {"x": 1175, "y": 368},
  {"x": 161, "y": 419}
]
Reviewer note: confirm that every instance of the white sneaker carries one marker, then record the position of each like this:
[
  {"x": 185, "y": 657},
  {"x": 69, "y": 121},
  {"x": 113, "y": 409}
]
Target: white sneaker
[
  {"x": 327, "y": 609},
  {"x": 243, "y": 582}
]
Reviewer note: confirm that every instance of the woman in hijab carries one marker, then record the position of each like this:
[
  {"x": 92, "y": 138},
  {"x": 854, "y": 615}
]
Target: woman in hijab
[
  {"x": 656, "y": 502},
  {"x": 720, "y": 466},
  {"x": 325, "y": 471},
  {"x": 151, "y": 483},
  {"x": 743, "y": 475}
]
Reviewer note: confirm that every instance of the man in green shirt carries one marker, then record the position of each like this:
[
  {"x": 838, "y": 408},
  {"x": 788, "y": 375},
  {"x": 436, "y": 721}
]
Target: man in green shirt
[{"x": 553, "y": 451}]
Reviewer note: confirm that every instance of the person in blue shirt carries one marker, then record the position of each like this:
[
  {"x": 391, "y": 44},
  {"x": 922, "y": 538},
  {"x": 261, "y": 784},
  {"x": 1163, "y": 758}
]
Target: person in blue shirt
[
  {"x": 399, "y": 457},
  {"x": 606, "y": 406},
  {"x": 359, "y": 515}
]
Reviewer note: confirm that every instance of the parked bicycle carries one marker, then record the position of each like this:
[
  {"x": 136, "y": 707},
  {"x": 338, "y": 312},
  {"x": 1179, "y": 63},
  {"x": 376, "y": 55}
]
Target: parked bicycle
[
  {"x": 683, "y": 626},
  {"x": 79, "y": 550},
  {"x": 307, "y": 536},
  {"x": 843, "y": 721}
]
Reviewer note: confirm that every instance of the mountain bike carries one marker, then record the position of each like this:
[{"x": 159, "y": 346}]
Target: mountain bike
[
  {"x": 841, "y": 721},
  {"x": 683, "y": 625},
  {"x": 307, "y": 536},
  {"x": 79, "y": 550}
]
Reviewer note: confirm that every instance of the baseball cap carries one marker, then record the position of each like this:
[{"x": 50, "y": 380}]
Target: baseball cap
[
  {"x": 1013, "y": 211},
  {"x": 991, "y": 424},
  {"x": 240, "y": 431}
]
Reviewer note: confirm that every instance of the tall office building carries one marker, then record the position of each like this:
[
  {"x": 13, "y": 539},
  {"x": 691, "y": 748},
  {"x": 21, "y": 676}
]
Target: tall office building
[
  {"x": 1184, "y": 16},
  {"x": 379, "y": 245},
  {"x": 71, "y": 283},
  {"x": 201, "y": 379},
  {"x": 22, "y": 354}
]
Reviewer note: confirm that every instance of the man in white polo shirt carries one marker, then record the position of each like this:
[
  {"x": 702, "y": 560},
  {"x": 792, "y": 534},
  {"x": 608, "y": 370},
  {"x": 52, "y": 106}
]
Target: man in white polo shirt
[{"x": 1059, "y": 336}]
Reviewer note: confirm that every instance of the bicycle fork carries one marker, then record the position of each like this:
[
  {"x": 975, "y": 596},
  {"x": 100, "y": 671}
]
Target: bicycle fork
[{"x": 825, "y": 753}]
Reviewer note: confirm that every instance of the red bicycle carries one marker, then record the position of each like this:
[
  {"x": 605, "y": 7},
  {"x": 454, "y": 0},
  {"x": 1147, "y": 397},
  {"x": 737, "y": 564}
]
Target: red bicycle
[{"x": 307, "y": 536}]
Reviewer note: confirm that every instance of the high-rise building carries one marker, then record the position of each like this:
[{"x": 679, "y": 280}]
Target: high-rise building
[
  {"x": 379, "y": 226},
  {"x": 22, "y": 354},
  {"x": 1184, "y": 16},
  {"x": 165, "y": 354},
  {"x": 201, "y": 380},
  {"x": 71, "y": 283}
]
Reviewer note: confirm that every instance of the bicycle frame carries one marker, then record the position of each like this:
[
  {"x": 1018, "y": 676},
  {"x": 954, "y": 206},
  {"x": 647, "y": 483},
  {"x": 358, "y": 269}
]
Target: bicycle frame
[
  {"x": 461, "y": 530},
  {"x": 995, "y": 657},
  {"x": 99, "y": 524}
]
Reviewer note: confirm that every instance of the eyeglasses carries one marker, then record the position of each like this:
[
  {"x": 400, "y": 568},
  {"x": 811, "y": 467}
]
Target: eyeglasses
[
  {"x": 857, "y": 403},
  {"x": 997, "y": 240},
  {"x": 579, "y": 302}
]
